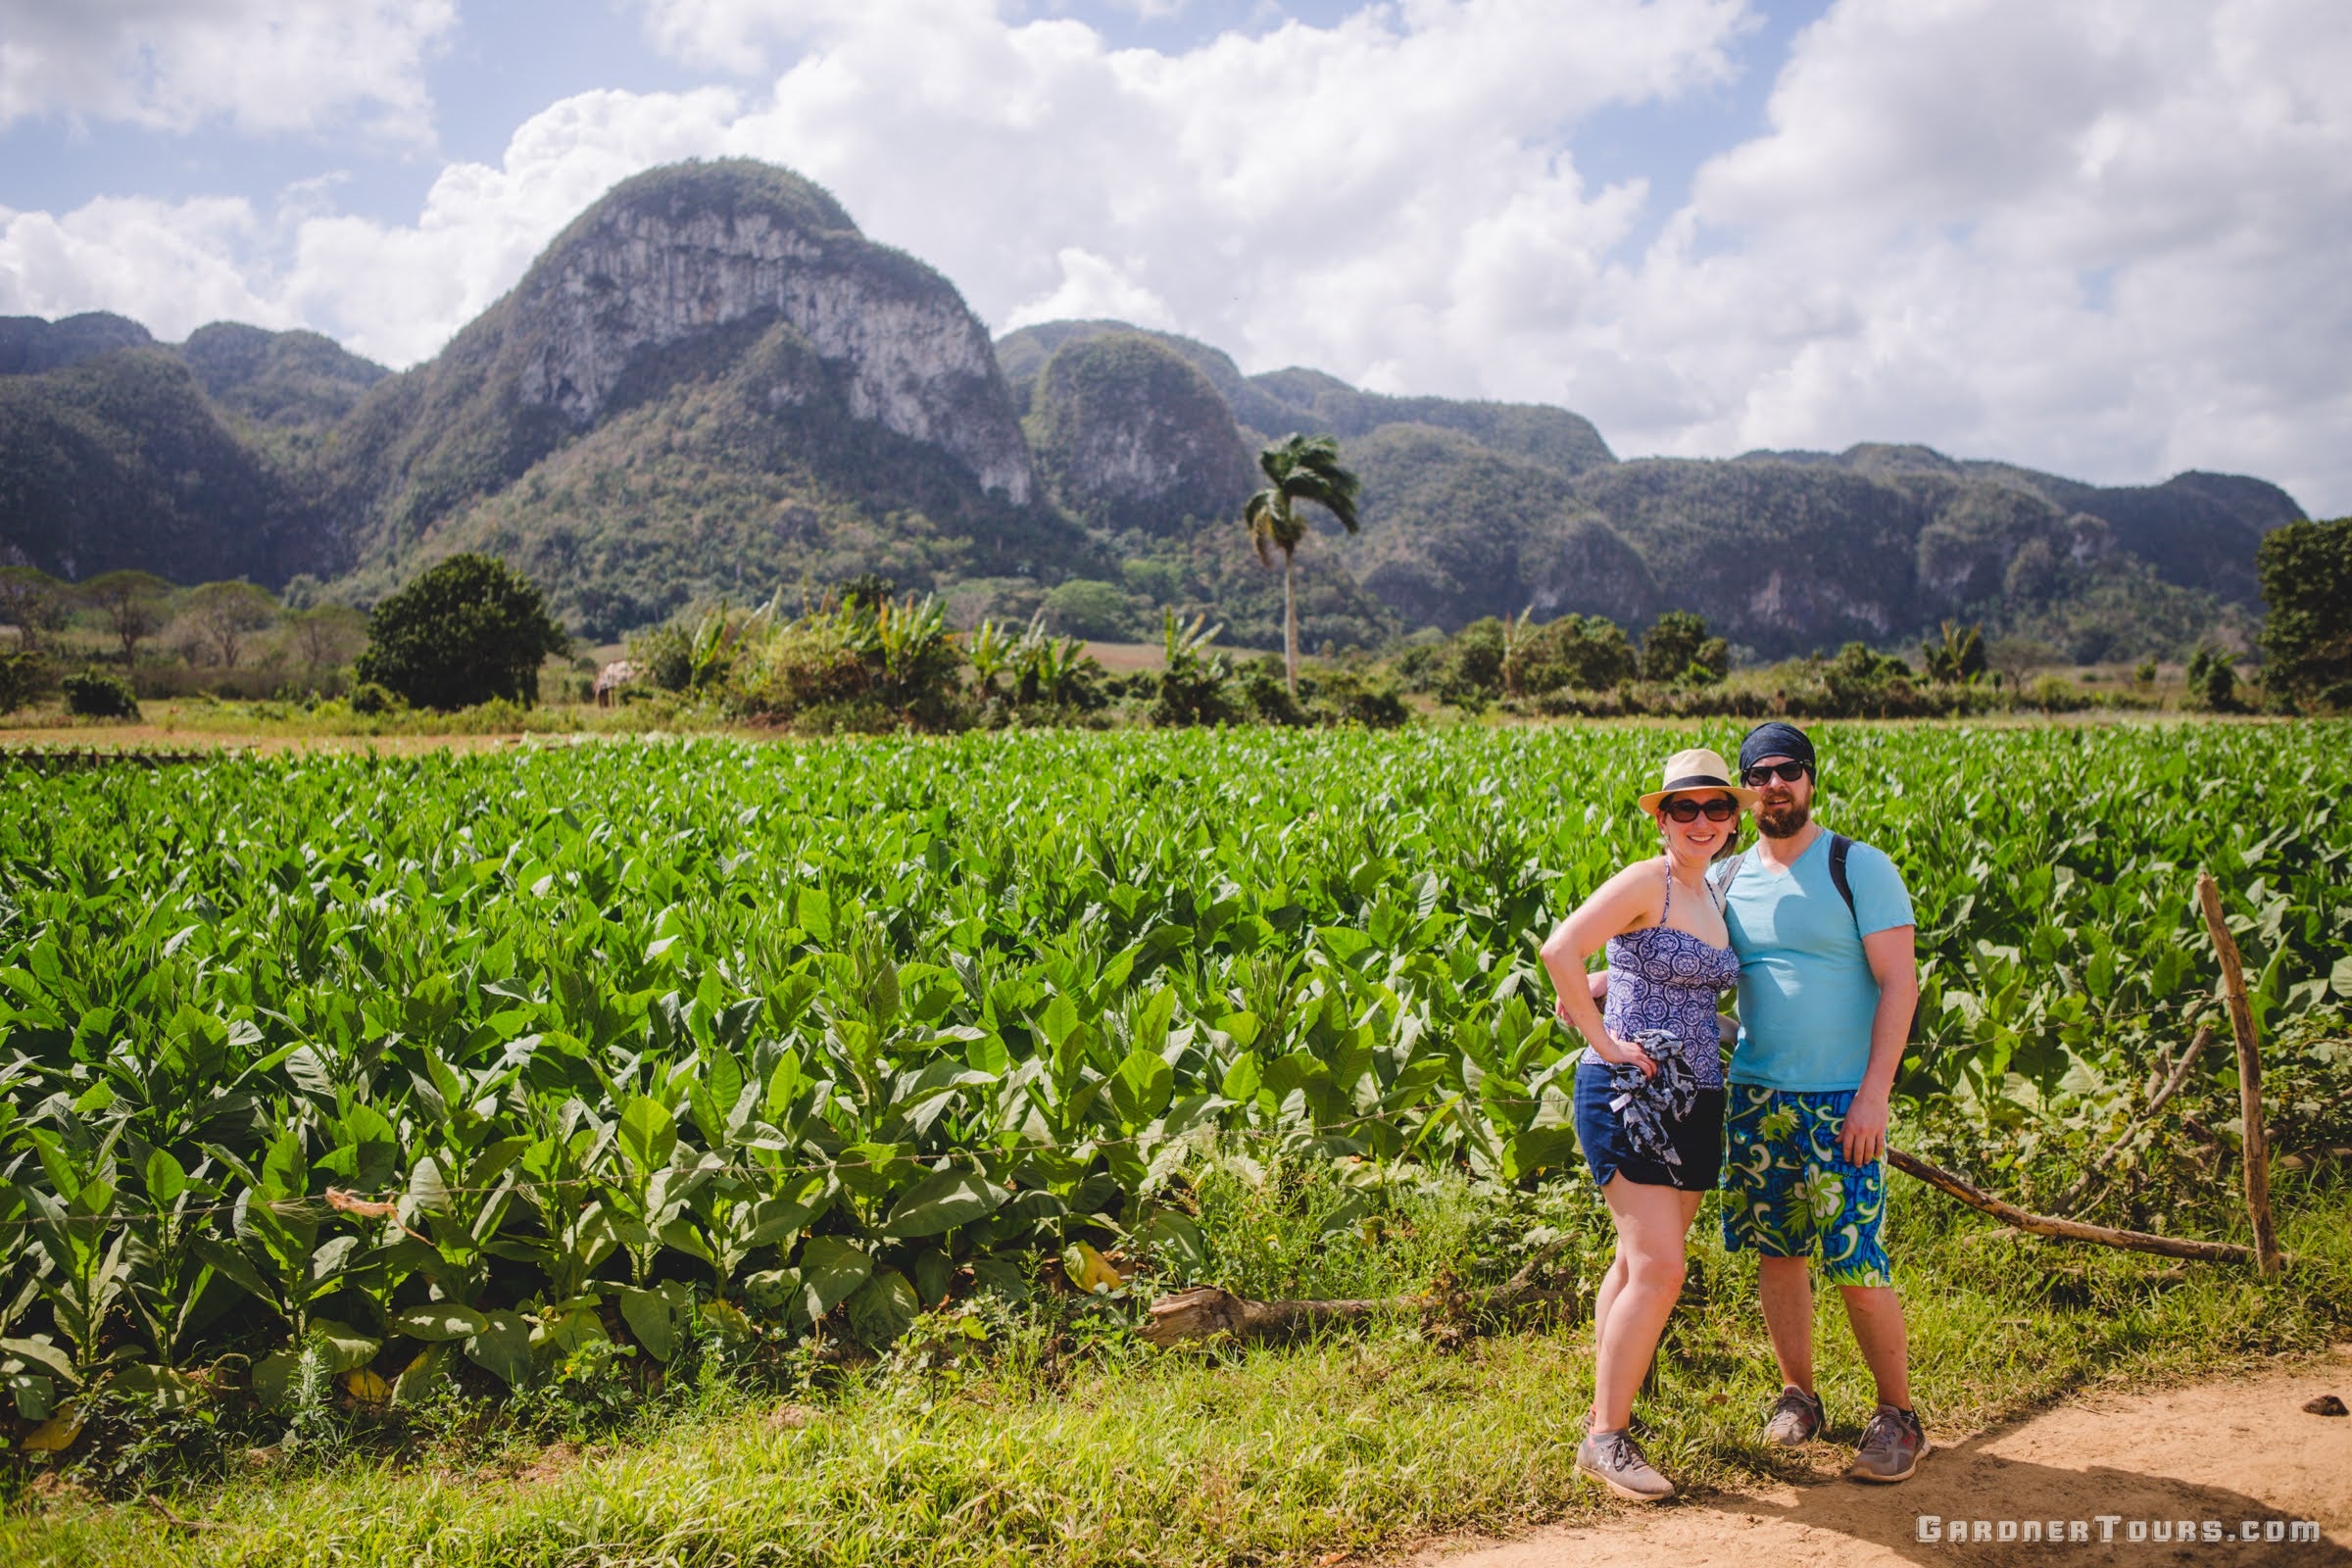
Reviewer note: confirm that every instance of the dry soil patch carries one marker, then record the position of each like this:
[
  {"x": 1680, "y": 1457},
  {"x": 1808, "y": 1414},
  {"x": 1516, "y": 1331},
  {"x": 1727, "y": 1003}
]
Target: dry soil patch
[{"x": 2230, "y": 1450}]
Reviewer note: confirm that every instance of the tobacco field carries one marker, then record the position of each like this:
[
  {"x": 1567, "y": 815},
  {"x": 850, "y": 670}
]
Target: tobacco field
[{"x": 385, "y": 1069}]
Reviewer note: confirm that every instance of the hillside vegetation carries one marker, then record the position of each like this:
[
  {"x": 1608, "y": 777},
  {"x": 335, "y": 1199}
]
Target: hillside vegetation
[{"x": 712, "y": 384}]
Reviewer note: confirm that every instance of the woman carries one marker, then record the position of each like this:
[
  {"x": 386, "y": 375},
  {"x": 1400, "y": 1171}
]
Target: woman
[{"x": 1649, "y": 1086}]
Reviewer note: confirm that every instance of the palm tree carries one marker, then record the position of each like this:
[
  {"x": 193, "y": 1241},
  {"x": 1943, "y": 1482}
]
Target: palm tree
[{"x": 1298, "y": 469}]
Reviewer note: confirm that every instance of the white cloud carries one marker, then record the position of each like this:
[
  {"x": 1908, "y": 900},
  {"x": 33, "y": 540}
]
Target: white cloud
[
  {"x": 1094, "y": 288},
  {"x": 260, "y": 65},
  {"x": 2101, "y": 238},
  {"x": 170, "y": 267}
]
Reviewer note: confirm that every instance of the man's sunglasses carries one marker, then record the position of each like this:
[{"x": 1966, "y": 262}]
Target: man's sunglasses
[
  {"x": 1720, "y": 808},
  {"x": 1755, "y": 778}
]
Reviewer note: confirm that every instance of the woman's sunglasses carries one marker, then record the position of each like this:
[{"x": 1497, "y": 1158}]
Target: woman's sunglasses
[
  {"x": 1722, "y": 809},
  {"x": 1755, "y": 778}
]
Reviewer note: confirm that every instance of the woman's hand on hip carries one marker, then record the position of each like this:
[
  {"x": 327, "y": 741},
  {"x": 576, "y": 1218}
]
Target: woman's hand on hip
[{"x": 1622, "y": 1051}]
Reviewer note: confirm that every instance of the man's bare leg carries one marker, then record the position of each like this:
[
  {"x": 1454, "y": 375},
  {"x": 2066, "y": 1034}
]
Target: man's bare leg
[
  {"x": 1784, "y": 1289},
  {"x": 1877, "y": 1315}
]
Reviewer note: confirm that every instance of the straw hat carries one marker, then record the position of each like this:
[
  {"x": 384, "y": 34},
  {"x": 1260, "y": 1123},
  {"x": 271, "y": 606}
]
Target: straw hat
[{"x": 1688, "y": 772}]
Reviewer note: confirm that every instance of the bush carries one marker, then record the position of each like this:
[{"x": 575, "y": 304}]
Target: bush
[
  {"x": 90, "y": 695},
  {"x": 2055, "y": 694},
  {"x": 1346, "y": 697},
  {"x": 859, "y": 666},
  {"x": 370, "y": 700},
  {"x": 1192, "y": 686},
  {"x": 1265, "y": 696},
  {"x": 460, "y": 634},
  {"x": 2213, "y": 680},
  {"x": 24, "y": 676}
]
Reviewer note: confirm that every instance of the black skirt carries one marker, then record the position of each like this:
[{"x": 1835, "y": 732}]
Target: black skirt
[{"x": 1696, "y": 1139}]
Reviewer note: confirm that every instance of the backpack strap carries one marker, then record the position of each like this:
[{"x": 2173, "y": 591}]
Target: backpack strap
[
  {"x": 1719, "y": 880},
  {"x": 1839, "y": 847}
]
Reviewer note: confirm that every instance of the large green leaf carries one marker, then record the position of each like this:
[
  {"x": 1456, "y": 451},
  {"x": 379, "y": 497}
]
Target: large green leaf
[
  {"x": 1140, "y": 1089},
  {"x": 883, "y": 1308},
  {"x": 648, "y": 1134},
  {"x": 655, "y": 1316},
  {"x": 437, "y": 1321},
  {"x": 942, "y": 1202},
  {"x": 503, "y": 1348},
  {"x": 831, "y": 1268}
]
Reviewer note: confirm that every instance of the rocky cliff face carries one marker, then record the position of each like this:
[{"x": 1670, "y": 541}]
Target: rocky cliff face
[
  {"x": 665, "y": 256},
  {"x": 1129, "y": 436}
]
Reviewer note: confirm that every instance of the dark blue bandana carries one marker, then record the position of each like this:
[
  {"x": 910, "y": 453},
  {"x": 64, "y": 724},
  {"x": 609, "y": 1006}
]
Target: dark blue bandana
[{"x": 1775, "y": 738}]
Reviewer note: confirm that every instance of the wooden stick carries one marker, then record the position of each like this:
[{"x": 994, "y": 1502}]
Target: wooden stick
[
  {"x": 2156, "y": 1101},
  {"x": 2256, "y": 1149},
  {"x": 1205, "y": 1311},
  {"x": 2065, "y": 1230}
]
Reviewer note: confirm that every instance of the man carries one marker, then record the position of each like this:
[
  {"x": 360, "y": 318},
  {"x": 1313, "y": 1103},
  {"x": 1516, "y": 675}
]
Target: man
[{"x": 1827, "y": 982}]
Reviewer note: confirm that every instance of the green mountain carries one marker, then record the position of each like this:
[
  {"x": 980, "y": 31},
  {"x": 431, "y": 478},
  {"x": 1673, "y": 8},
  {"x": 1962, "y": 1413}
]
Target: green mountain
[
  {"x": 1483, "y": 509},
  {"x": 120, "y": 460},
  {"x": 709, "y": 384},
  {"x": 29, "y": 345},
  {"x": 712, "y": 384},
  {"x": 1129, "y": 434},
  {"x": 293, "y": 380}
]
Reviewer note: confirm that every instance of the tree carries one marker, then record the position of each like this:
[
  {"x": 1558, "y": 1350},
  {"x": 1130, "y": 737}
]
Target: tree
[
  {"x": 1679, "y": 648},
  {"x": 466, "y": 630},
  {"x": 131, "y": 604},
  {"x": 1587, "y": 652},
  {"x": 1299, "y": 470},
  {"x": 2213, "y": 679},
  {"x": 24, "y": 676},
  {"x": 36, "y": 604},
  {"x": 324, "y": 637},
  {"x": 2020, "y": 656},
  {"x": 2306, "y": 571},
  {"x": 222, "y": 619},
  {"x": 1958, "y": 659},
  {"x": 1085, "y": 608}
]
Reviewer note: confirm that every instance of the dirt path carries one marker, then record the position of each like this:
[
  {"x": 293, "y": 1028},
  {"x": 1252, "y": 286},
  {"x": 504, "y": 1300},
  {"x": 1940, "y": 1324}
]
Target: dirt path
[{"x": 2229, "y": 1451}]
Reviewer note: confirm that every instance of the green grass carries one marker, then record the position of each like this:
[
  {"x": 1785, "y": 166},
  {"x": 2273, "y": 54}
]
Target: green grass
[{"x": 1058, "y": 1448}]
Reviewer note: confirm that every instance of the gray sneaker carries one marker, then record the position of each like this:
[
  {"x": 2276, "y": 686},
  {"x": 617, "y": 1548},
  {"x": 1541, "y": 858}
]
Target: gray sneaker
[
  {"x": 1616, "y": 1461},
  {"x": 1795, "y": 1419},
  {"x": 1892, "y": 1444}
]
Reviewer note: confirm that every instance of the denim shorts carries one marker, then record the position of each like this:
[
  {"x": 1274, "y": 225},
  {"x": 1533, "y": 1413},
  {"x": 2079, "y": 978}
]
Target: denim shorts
[
  {"x": 1697, "y": 1138},
  {"x": 1788, "y": 1189}
]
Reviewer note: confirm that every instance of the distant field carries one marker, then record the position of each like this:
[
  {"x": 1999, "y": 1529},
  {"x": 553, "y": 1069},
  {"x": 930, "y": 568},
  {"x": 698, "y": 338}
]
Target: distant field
[{"x": 1119, "y": 657}]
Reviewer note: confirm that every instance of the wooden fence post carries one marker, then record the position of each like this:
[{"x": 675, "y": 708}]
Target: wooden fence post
[{"x": 2249, "y": 1076}]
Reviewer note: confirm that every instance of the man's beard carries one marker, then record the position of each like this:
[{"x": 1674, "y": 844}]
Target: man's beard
[{"x": 1782, "y": 821}]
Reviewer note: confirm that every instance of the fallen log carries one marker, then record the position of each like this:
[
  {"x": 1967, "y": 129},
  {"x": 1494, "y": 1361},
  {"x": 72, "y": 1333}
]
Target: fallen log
[
  {"x": 2065, "y": 1230},
  {"x": 1208, "y": 1311}
]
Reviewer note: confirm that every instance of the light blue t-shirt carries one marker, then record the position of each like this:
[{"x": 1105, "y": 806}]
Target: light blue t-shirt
[{"x": 1807, "y": 998}]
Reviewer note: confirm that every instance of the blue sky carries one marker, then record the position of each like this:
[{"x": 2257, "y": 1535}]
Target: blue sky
[{"x": 2099, "y": 237}]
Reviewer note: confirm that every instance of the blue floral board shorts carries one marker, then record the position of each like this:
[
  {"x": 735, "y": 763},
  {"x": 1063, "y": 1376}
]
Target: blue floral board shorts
[{"x": 1789, "y": 1188}]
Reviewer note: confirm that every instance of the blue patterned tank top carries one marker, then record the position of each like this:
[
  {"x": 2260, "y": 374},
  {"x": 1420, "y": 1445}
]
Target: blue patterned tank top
[{"x": 1664, "y": 978}]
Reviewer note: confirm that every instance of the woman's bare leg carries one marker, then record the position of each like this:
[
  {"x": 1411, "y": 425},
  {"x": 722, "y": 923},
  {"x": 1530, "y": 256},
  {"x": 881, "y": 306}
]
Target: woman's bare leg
[
  {"x": 1652, "y": 1227},
  {"x": 1611, "y": 1284}
]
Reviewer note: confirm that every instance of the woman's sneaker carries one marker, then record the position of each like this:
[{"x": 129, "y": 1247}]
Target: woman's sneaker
[
  {"x": 1616, "y": 1461},
  {"x": 1795, "y": 1419},
  {"x": 1892, "y": 1444}
]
